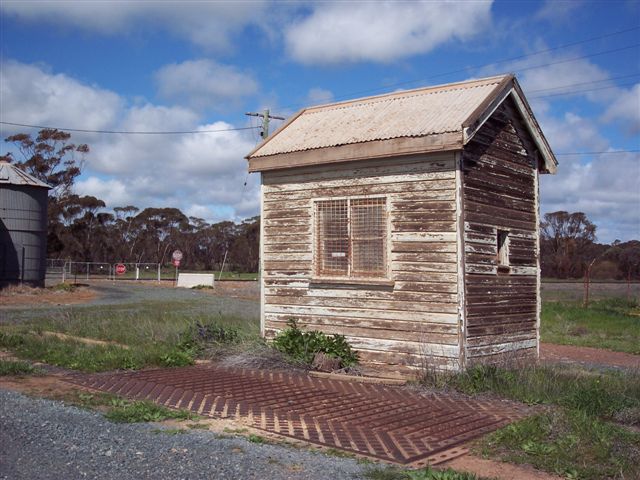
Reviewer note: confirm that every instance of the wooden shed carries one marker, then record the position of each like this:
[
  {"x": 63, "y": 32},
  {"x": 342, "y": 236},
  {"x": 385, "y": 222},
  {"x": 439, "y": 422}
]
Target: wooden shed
[{"x": 408, "y": 222}]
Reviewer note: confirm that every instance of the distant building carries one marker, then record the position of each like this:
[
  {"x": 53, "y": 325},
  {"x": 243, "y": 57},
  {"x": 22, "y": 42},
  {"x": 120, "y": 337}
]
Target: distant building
[
  {"x": 23, "y": 227},
  {"x": 409, "y": 223}
]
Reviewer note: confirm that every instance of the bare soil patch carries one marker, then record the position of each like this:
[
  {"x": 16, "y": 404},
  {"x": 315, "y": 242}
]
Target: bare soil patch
[
  {"x": 493, "y": 469},
  {"x": 246, "y": 290},
  {"x": 25, "y": 296},
  {"x": 594, "y": 356}
]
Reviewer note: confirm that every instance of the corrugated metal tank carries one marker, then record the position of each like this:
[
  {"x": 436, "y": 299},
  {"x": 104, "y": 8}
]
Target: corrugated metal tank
[{"x": 23, "y": 227}]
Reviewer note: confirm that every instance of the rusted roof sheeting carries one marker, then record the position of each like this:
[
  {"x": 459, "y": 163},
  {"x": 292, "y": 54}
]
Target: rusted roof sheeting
[
  {"x": 415, "y": 113},
  {"x": 12, "y": 175}
]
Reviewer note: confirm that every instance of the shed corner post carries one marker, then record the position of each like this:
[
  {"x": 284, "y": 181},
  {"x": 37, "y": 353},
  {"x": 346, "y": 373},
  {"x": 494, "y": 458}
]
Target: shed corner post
[
  {"x": 261, "y": 260},
  {"x": 536, "y": 192},
  {"x": 460, "y": 247}
]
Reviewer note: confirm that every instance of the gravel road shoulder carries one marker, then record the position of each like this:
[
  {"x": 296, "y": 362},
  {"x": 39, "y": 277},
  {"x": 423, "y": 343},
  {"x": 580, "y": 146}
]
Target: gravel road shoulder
[{"x": 47, "y": 439}]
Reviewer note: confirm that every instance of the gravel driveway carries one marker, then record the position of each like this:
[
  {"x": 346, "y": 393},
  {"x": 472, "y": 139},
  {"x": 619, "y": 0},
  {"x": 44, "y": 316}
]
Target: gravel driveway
[{"x": 44, "y": 439}]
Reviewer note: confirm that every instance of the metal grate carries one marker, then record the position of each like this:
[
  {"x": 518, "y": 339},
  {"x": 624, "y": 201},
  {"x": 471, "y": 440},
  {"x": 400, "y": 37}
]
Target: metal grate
[
  {"x": 332, "y": 247},
  {"x": 351, "y": 237}
]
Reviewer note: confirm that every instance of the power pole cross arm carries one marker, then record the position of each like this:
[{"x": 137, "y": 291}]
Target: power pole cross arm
[{"x": 265, "y": 121}]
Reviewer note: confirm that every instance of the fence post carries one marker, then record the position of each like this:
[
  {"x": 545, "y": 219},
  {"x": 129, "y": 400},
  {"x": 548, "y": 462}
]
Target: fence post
[
  {"x": 22, "y": 269},
  {"x": 87, "y": 271},
  {"x": 159, "y": 279}
]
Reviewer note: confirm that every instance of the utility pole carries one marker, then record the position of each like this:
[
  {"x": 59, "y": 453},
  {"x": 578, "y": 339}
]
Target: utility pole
[{"x": 265, "y": 121}]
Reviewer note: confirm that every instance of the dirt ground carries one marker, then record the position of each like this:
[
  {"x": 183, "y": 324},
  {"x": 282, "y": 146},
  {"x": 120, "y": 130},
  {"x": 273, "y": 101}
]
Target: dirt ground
[
  {"x": 587, "y": 355},
  {"x": 24, "y": 296}
]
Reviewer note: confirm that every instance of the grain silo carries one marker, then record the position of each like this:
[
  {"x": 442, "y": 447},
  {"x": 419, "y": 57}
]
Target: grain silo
[{"x": 23, "y": 227}]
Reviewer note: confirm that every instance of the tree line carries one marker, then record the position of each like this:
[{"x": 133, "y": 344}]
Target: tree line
[{"x": 81, "y": 228}]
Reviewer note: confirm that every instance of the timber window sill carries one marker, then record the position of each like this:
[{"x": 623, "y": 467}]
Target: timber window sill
[{"x": 332, "y": 282}]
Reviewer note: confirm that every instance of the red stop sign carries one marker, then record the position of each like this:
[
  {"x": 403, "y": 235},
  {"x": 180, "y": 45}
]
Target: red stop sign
[
  {"x": 176, "y": 263},
  {"x": 121, "y": 269}
]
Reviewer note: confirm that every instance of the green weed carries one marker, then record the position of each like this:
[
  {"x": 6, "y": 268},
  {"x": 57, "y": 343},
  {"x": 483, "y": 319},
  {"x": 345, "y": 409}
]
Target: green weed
[
  {"x": 256, "y": 439},
  {"x": 570, "y": 443},
  {"x": 302, "y": 346},
  {"x": 123, "y": 411},
  {"x": 16, "y": 368},
  {"x": 603, "y": 394},
  {"x": 393, "y": 473}
]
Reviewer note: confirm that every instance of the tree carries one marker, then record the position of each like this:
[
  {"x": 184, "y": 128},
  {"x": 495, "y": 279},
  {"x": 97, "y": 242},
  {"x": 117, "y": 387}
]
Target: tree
[
  {"x": 50, "y": 158},
  {"x": 566, "y": 243}
]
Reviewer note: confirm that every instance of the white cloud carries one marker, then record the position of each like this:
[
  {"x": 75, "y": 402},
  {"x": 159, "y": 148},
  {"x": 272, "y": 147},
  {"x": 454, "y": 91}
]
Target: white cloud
[
  {"x": 203, "y": 84},
  {"x": 338, "y": 32},
  {"x": 319, "y": 96},
  {"x": 30, "y": 94},
  {"x": 604, "y": 186},
  {"x": 625, "y": 108},
  {"x": 558, "y": 11},
  {"x": 202, "y": 172},
  {"x": 112, "y": 191},
  {"x": 208, "y": 24}
]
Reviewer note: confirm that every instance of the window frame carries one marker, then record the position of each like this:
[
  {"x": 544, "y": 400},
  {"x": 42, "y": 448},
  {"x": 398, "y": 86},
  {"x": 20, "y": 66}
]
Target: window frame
[
  {"x": 503, "y": 262},
  {"x": 379, "y": 278}
]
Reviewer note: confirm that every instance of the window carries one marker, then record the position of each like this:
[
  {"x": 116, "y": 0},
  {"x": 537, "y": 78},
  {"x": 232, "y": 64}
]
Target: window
[
  {"x": 503, "y": 249},
  {"x": 351, "y": 237}
]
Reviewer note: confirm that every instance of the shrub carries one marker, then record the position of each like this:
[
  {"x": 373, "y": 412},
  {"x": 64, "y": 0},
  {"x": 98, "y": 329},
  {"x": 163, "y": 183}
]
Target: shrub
[
  {"x": 11, "y": 367},
  {"x": 303, "y": 346}
]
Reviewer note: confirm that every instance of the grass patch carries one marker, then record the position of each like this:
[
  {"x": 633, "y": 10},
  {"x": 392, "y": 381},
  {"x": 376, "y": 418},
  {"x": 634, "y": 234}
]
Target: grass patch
[
  {"x": 123, "y": 411},
  {"x": 575, "y": 437},
  {"x": 157, "y": 334},
  {"x": 569, "y": 443},
  {"x": 612, "y": 323},
  {"x": 393, "y": 473},
  {"x": 16, "y": 368},
  {"x": 601, "y": 393}
]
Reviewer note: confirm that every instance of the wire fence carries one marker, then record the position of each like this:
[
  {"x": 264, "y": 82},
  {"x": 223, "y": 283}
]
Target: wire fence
[{"x": 68, "y": 270}]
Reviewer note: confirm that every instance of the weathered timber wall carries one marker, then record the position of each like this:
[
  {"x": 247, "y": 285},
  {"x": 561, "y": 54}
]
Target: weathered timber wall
[
  {"x": 395, "y": 326},
  {"x": 499, "y": 193}
]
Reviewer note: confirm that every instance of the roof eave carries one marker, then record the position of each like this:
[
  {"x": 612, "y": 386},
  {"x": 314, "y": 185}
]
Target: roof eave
[{"x": 510, "y": 87}]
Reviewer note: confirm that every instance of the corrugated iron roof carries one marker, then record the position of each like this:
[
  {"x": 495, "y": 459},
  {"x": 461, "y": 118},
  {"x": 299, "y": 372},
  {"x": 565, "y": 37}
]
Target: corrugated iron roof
[
  {"x": 413, "y": 113},
  {"x": 12, "y": 175}
]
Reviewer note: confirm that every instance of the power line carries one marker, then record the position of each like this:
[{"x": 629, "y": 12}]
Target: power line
[
  {"x": 128, "y": 132},
  {"x": 573, "y": 92},
  {"x": 592, "y": 82},
  {"x": 505, "y": 60},
  {"x": 596, "y": 153}
]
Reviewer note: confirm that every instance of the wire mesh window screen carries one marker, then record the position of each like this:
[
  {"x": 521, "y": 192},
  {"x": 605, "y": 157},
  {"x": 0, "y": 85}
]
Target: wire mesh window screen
[
  {"x": 368, "y": 235},
  {"x": 351, "y": 237},
  {"x": 332, "y": 243}
]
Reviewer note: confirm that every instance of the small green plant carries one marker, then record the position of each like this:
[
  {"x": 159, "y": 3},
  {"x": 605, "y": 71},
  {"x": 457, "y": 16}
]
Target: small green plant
[
  {"x": 303, "y": 346},
  {"x": 16, "y": 368},
  {"x": 178, "y": 357},
  {"x": 256, "y": 439},
  {"x": 394, "y": 473},
  {"x": 169, "y": 431},
  {"x": 123, "y": 411},
  {"x": 202, "y": 287},
  {"x": 64, "y": 287}
]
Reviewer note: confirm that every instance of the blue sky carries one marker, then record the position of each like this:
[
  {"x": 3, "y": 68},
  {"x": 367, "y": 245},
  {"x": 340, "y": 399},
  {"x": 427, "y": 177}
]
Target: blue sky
[{"x": 183, "y": 66}]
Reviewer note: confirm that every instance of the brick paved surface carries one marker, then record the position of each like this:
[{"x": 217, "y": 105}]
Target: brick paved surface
[{"x": 393, "y": 424}]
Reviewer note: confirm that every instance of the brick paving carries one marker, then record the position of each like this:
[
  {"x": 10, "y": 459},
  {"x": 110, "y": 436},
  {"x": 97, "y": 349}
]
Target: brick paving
[{"x": 390, "y": 423}]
